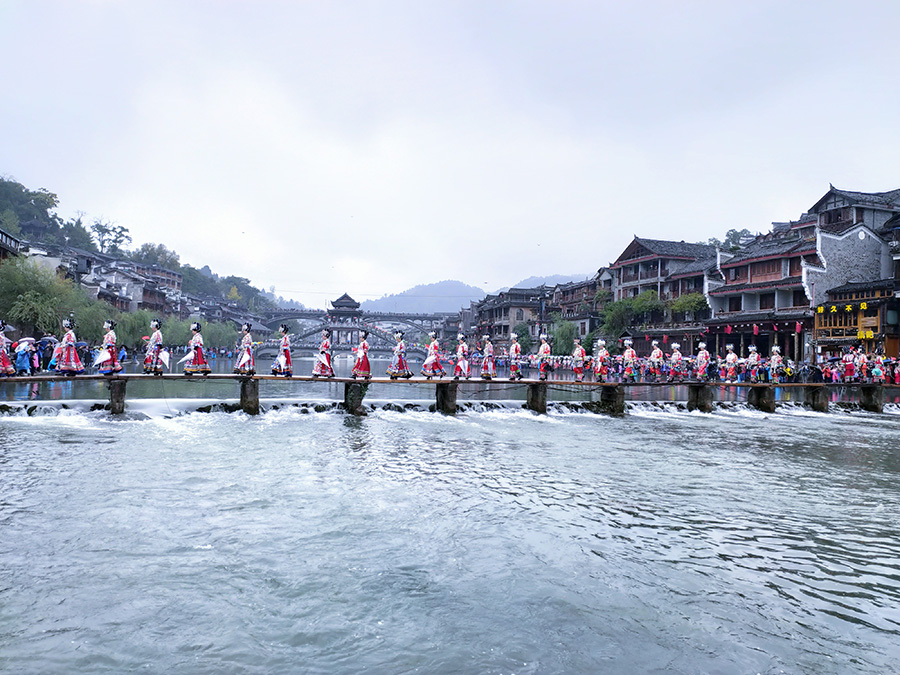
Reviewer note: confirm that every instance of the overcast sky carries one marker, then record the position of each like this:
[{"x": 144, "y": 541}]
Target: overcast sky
[{"x": 322, "y": 147}]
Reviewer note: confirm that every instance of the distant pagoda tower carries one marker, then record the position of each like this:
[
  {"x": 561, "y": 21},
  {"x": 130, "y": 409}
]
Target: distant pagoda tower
[{"x": 344, "y": 319}]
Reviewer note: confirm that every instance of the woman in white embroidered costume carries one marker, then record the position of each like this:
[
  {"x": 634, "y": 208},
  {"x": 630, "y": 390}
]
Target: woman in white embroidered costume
[
  {"x": 196, "y": 360},
  {"x": 362, "y": 368},
  {"x": 578, "y": 356},
  {"x": 601, "y": 361},
  {"x": 6, "y": 364},
  {"x": 702, "y": 361},
  {"x": 432, "y": 366},
  {"x": 676, "y": 364},
  {"x": 283, "y": 364},
  {"x": 515, "y": 353},
  {"x": 67, "y": 361},
  {"x": 322, "y": 366},
  {"x": 488, "y": 371},
  {"x": 753, "y": 363},
  {"x": 462, "y": 358},
  {"x": 152, "y": 363},
  {"x": 399, "y": 367},
  {"x": 110, "y": 357},
  {"x": 246, "y": 362},
  {"x": 546, "y": 366}
]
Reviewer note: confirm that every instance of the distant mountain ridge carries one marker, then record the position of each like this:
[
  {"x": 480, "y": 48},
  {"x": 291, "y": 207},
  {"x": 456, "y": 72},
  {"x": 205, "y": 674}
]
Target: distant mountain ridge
[{"x": 442, "y": 296}]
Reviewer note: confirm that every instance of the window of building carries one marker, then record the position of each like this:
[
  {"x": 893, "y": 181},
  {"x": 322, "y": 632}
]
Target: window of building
[
  {"x": 796, "y": 270},
  {"x": 800, "y": 299},
  {"x": 520, "y": 315},
  {"x": 765, "y": 268},
  {"x": 734, "y": 303},
  {"x": 767, "y": 301}
]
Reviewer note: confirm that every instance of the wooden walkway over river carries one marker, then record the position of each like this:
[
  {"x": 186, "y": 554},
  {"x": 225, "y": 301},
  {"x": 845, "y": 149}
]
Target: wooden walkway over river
[{"x": 701, "y": 395}]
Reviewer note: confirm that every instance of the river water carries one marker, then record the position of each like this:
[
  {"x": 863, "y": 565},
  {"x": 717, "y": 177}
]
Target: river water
[{"x": 495, "y": 541}]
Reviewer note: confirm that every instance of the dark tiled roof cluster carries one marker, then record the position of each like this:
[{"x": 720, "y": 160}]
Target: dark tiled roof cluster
[
  {"x": 766, "y": 248},
  {"x": 849, "y": 287},
  {"x": 889, "y": 199},
  {"x": 695, "y": 267},
  {"x": 676, "y": 249}
]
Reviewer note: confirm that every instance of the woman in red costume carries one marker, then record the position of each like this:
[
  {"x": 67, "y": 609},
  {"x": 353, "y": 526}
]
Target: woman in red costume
[
  {"x": 323, "y": 367},
  {"x": 362, "y": 368},
  {"x": 196, "y": 359},
  {"x": 68, "y": 362},
  {"x": 110, "y": 364}
]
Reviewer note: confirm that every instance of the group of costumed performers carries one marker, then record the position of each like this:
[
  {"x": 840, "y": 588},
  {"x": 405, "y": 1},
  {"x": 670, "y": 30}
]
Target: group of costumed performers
[
  {"x": 399, "y": 366},
  {"x": 432, "y": 365},
  {"x": 194, "y": 361},
  {"x": 283, "y": 364},
  {"x": 322, "y": 366},
  {"x": 361, "y": 366},
  {"x": 462, "y": 358},
  {"x": 107, "y": 360},
  {"x": 154, "y": 355}
]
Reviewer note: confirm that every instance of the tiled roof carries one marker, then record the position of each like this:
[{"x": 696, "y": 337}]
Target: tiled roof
[
  {"x": 767, "y": 248},
  {"x": 785, "y": 283},
  {"x": 695, "y": 267},
  {"x": 849, "y": 287},
  {"x": 890, "y": 199},
  {"x": 676, "y": 249}
]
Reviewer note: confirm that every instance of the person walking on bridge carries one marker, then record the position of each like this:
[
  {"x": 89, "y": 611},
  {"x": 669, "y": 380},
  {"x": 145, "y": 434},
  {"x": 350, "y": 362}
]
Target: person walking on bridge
[
  {"x": 462, "y": 358},
  {"x": 196, "y": 359},
  {"x": 152, "y": 361},
  {"x": 283, "y": 364},
  {"x": 323, "y": 367},
  {"x": 399, "y": 367},
  {"x": 68, "y": 361},
  {"x": 515, "y": 352},
  {"x": 110, "y": 364},
  {"x": 246, "y": 363},
  {"x": 432, "y": 366},
  {"x": 362, "y": 368}
]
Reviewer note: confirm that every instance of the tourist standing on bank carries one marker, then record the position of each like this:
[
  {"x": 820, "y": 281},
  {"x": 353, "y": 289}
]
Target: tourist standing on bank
[
  {"x": 322, "y": 367},
  {"x": 196, "y": 363},
  {"x": 283, "y": 364},
  {"x": 152, "y": 362},
  {"x": 432, "y": 366},
  {"x": 362, "y": 368},
  {"x": 399, "y": 367},
  {"x": 246, "y": 362}
]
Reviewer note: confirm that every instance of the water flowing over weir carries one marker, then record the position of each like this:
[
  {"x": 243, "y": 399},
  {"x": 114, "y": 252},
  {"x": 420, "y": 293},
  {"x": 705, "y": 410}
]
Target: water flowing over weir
[{"x": 306, "y": 539}]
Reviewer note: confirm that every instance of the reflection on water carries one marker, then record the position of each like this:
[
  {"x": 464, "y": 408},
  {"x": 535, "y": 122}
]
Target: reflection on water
[{"x": 495, "y": 541}]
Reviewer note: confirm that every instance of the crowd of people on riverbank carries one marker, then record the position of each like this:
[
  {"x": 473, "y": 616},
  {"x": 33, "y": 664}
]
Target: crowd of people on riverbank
[{"x": 29, "y": 356}]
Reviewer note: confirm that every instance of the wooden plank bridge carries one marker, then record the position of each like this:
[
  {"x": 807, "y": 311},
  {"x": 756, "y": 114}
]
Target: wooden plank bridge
[{"x": 701, "y": 395}]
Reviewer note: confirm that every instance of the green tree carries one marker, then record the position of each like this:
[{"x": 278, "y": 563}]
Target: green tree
[
  {"x": 9, "y": 222},
  {"x": 156, "y": 254},
  {"x": 35, "y": 313},
  {"x": 34, "y": 210},
  {"x": 617, "y": 316},
  {"x": 197, "y": 283},
  {"x": 689, "y": 302},
  {"x": 75, "y": 234},
  {"x": 109, "y": 237},
  {"x": 218, "y": 335},
  {"x": 521, "y": 329},
  {"x": 233, "y": 295},
  {"x": 732, "y": 241},
  {"x": 563, "y": 333},
  {"x": 132, "y": 326}
]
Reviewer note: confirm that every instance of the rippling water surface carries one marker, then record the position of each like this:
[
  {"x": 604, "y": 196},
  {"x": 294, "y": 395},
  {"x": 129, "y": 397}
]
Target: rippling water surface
[{"x": 490, "y": 542}]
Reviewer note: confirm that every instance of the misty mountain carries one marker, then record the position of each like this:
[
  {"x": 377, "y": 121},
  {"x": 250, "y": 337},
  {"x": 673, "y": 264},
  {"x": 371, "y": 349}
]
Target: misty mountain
[{"x": 443, "y": 296}]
